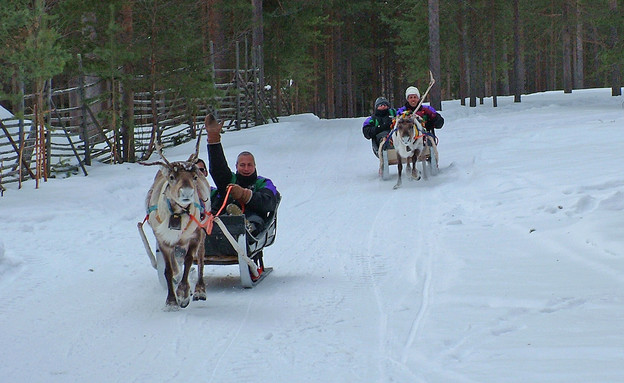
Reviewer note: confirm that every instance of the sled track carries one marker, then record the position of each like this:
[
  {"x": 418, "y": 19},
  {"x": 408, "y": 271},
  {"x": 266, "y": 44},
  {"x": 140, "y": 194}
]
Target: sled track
[
  {"x": 424, "y": 254},
  {"x": 423, "y": 271},
  {"x": 231, "y": 342},
  {"x": 422, "y": 310},
  {"x": 382, "y": 333}
]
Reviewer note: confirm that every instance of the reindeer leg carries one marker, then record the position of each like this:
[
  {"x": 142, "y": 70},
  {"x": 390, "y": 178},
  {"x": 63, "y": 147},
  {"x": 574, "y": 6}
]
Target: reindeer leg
[
  {"x": 184, "y": 289},
  {"x": 400, "y": 169},
  {"x": 200, "y": 287},
  {"x": 171, "y": 302},
  {"x": 415, "y": 174}
]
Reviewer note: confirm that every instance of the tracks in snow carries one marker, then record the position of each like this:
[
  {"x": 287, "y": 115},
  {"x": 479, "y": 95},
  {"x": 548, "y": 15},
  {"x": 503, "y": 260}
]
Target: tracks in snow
[{"x": 397, "y": 334}]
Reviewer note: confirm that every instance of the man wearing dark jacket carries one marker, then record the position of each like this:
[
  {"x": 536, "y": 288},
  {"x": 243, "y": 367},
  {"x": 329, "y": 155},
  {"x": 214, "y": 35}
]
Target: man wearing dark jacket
[
  {"x": 377, "y": 126},
  {"x": 256, "y": 196}
]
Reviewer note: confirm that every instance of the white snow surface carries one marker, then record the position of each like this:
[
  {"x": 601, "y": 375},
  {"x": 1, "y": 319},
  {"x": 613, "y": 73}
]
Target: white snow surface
[{"x": 506, "y": 267}]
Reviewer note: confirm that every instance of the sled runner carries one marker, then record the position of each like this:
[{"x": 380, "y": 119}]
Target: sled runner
[{"x": 388, "y": 157}]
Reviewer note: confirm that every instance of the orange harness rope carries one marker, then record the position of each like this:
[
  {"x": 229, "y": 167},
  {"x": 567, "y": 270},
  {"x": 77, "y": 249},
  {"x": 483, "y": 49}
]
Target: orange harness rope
[
  {"x": 207, "y": 224},
  {"x": 227, "y": 194}
]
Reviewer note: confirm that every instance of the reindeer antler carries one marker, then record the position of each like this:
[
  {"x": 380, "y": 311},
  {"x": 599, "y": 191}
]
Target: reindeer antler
[
  {"x": 151, "y": 163},
  {"x": 193, "y": 157},
  {"x": 160, "y": 152}
]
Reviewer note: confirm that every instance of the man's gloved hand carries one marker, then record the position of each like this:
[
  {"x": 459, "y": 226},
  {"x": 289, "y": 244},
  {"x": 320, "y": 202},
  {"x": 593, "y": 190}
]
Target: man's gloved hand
[
  {"x": 213, "y": 129},
  {"x": 240, "y": 194}
]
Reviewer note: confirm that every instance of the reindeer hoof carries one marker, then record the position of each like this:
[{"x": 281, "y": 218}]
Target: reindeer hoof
[
  {"x": 199, "y": 295},
  {"x": 396, "y": 186},
  {"x": 185, "y": 302},
  {"x": 171, "y": 306}
]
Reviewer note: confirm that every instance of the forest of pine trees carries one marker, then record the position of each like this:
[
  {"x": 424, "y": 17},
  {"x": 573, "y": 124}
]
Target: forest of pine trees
[{"x": 331, "y": 58}]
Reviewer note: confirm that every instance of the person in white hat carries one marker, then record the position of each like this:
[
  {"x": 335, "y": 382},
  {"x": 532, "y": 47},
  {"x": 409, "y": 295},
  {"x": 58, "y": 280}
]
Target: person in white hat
[
  {"x": 377, "y": 126},
  {"x": 433, "y": 119}
]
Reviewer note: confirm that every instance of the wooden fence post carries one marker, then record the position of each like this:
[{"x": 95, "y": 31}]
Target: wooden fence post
[
  {"x": 237, "y": 87},
  {"x": 83, "y": 124},
  {"x": 47, "y": 132}
]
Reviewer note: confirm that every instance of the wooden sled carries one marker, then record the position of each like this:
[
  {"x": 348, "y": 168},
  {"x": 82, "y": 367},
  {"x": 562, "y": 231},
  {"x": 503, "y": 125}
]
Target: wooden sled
[{"x": 231, "y": 243}]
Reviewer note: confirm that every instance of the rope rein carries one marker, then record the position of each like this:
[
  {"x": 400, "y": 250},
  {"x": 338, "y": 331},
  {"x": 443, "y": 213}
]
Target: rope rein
[{"x": 208, "y": 222}]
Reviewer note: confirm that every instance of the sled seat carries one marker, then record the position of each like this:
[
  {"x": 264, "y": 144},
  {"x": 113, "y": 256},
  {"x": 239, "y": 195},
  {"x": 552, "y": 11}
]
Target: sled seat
[{"x": 219, "y": 250}]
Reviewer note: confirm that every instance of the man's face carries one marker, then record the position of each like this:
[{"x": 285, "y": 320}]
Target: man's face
[
  {"x": 245, "y": 165},
  {"x": 413, "y": 99},
  {"x": 202, "y": 168}
]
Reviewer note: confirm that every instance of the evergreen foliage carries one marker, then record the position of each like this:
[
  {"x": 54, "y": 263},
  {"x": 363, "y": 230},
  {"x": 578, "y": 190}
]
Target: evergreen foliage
[
  {"x": 31, "y": 52},
  {"x": 332, "y": 58}
]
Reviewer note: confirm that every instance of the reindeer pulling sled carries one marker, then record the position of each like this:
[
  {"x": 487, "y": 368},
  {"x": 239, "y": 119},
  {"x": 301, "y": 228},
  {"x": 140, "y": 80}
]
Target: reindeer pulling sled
[
  {"x": 409, "y": 143},
  {"x": 187, "y": 234}
]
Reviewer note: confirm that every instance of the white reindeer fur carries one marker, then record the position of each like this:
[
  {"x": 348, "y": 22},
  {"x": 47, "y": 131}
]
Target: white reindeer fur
[
  {"x": 160, "y": 198},
  {"x": 159, "y": 218},
  {"x": 414, "y": 146}
]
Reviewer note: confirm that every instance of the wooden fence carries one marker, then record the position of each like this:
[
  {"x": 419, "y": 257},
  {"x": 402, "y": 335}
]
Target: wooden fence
[{"x": 78, "y": 128}]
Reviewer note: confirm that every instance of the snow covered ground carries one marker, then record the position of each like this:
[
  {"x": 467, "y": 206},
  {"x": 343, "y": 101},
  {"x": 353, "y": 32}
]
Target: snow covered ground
[{"x": 506, "y": 267}]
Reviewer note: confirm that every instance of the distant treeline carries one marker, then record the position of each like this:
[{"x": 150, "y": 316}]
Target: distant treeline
[{"x": 332, "y": 58}]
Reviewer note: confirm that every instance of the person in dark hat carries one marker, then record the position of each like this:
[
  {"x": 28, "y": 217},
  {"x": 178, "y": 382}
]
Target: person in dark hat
[{"x": 378, "y": 126}]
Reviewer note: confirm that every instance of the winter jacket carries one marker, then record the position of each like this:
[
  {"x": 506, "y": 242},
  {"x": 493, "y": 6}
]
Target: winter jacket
[
  {"x": 379, "y": 122},
  {"x": 264, "y": 194},
  {"x": 433, "y": 119}
]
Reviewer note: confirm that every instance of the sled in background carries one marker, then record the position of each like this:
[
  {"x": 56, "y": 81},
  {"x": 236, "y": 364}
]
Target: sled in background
[{"x": 388, "y": 157}]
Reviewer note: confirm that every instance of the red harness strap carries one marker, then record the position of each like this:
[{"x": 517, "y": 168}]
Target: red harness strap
[
  {"x": 227, "y": 194},
  {"x": 207, "y": 224}
]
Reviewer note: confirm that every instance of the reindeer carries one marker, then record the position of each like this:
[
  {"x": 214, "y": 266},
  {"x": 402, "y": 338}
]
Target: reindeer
[
  {"x": 408, "y": 143},
  {"x": 178, "y": 208}
]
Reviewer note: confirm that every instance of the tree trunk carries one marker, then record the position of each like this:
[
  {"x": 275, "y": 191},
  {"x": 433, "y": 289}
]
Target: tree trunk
[
  {"x": 518, "y": 54},
  {"x": 435, "y": 97},
  {"x": 615, "y": 77},
  {"x": 217, "y": 36},
  {"x": 493, "y": 50},
  {"x": 472, "y": 60},
  {"x": 567, "y": 49},
  {"x": 463, "y": 55},
  {"x": 330, "y": 95},
  {"x": 350, "y": 87},
  {"x": 127, "y": 121},
  {"x": 552, "y": 57},
  {"x": 505, "y": 75},
  {"x": 258, "y": 39},
  {"x": 579, "y": 79},
  {"x": 339, "y": 74},
  {"x": 316, "y": 107}
]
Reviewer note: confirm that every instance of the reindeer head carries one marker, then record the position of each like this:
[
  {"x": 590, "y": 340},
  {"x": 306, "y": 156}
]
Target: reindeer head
[
  {"x": 406, "y": 129},
  {"x": 182, "y": 178},
  {"x": 185, "y": 183}
]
